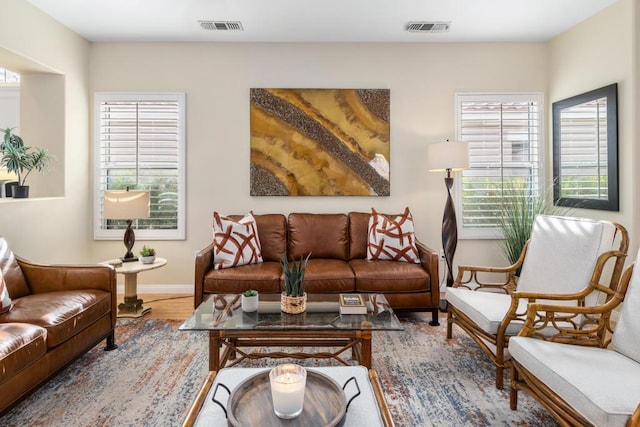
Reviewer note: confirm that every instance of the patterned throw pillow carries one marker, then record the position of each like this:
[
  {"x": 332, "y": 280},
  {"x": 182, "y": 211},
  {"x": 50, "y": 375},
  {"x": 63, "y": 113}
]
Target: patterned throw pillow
[
  {"x": 5, "y": 302},
  {"x": 235, "y": 242},
  {"x": 392, "y": 238}
]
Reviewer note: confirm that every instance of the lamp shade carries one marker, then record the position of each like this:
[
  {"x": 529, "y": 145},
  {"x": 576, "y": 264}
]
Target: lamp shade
[
  {"x": 123, "y": 204},
  {"x": 5, "y": 175},
  {"x": 447, "y": 155}
]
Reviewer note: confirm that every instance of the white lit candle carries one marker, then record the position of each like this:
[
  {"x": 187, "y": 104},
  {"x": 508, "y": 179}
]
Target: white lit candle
[{"x": 287, "y": 389}]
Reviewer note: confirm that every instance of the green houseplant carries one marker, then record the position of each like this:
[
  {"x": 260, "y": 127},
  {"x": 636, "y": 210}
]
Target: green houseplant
[
  {"x": 22, "y": 160},
  {"x": 517, "y": 215},
  {"x": 294, "y": 298},
  {"x": 147, "y": 255}
]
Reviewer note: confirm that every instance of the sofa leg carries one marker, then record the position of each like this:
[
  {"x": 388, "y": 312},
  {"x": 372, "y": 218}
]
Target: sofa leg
[
  {"x": 111, "y": 342},
  {"x": 434, "y": 318}
]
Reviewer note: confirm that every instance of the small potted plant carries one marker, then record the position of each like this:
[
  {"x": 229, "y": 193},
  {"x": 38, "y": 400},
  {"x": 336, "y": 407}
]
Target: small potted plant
[
  {"x": 22, "y": 160},
  {"x": 294, "y": 298},
  {"x": 147, "y": 255},
  {"x": 250, "y": 300}
]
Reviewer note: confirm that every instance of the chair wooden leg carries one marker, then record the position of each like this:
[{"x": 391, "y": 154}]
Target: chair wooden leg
[
  {"x": 499, "y": 377},
  {"x": 513, "y": 391},
  {"x": 449, "y": 325}
]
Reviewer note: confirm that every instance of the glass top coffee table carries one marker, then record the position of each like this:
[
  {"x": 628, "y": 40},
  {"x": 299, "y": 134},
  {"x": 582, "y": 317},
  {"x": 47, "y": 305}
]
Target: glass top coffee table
[{"x": 321, "y": 325}]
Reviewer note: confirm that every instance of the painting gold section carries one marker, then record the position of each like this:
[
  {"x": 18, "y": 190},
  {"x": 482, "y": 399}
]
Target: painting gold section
[
  {"x": 321, "y": 141},
  {"x": 297, "y": 161}
]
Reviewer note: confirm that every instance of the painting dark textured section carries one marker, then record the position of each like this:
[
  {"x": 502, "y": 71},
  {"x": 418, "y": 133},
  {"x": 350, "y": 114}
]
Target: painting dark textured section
[{"x": 320, "y": 142}]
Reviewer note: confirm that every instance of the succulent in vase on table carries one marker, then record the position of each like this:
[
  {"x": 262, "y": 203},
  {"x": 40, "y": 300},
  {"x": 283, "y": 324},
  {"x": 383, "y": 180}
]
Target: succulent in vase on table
[
  {"x": 294, "y": 298},
  {"x": 250, "y": 300},
  {"x": 147, "y": 255}
]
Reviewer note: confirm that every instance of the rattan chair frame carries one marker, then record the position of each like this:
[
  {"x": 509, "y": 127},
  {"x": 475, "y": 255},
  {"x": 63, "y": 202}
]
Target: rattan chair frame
[
  {"x": 597, "y": 334},
  {"x": 469, "y": 274}
]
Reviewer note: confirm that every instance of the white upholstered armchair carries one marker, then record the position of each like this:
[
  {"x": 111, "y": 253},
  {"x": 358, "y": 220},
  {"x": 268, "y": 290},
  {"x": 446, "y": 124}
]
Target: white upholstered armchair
[
  {"x": 583, "y": 378},
  {"x": 566, "y": 259}
]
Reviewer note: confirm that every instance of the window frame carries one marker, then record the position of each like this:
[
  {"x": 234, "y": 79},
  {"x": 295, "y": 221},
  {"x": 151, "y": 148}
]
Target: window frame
[
  {"x": 538, "y": 97},
  {"x": 179, "y": 233}
]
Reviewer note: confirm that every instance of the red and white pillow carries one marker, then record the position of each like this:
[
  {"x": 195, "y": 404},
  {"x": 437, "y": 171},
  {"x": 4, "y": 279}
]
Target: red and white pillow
[
  {"x": 392, "y": 238},
  {"x": 5, "y": 299},
  {"x": 235, "y": 242}
]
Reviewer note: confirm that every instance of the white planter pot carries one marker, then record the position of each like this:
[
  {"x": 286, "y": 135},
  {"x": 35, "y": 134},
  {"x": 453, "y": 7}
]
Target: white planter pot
[
  {"x": 147, "y": 259},
  {"x": 250, "y": 304}
]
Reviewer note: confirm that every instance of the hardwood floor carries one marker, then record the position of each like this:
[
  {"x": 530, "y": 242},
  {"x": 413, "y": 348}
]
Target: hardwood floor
[{"x": 166, "y": 306}]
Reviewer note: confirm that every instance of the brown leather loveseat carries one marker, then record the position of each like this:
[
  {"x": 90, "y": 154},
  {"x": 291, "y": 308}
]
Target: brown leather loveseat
[
  {"x": 338, "y": 263},
  {"x": 58, "y": 313}
]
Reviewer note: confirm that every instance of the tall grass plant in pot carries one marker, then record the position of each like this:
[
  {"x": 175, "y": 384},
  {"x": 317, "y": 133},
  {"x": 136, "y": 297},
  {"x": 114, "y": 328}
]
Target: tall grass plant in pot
[{"x": 517, "y": 213}]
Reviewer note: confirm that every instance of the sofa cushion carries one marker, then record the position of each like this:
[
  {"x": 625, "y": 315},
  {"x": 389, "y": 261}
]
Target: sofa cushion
[
  {"x": 263, "y": 277},
  {"x": 21, "y": 344},
  {"x": 328, "y": 276},
  {"x": 626, "y": 337},
  {"x": 15, "y": 280},
  {"x": 235, "y": 242},
  {"x": 5, "y": 299},
  {"x": 392, "y": 238},
  {"x": 389, "y": 276},
  {"x": 63, "y": 314},
  {"x": 323, "y": 235},
  {"x": 358, "y": 234},
  {"x": 600, "y": 384}
]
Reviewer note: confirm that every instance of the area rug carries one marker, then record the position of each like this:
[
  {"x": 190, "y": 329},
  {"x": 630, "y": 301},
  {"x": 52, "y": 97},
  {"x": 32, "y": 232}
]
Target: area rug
[{"x": 154, "y": 375}]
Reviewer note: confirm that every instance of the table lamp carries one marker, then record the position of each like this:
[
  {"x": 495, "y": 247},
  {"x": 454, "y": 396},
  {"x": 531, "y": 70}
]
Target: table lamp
[
  {"x": 129, "y": 205},
  {"x": 448, "y": 157},
  {"x": 6, "y": 176}
]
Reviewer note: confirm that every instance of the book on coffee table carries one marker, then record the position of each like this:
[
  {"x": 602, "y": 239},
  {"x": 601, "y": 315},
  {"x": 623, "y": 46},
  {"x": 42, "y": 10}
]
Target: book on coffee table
[{"x": 352, "y": 304}]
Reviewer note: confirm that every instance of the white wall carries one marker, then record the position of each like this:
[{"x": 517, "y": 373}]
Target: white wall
[
  {"x": 588, "y": 57},
  {"x": 217, "y": 77},
  {"x": 51, "y": 229}
]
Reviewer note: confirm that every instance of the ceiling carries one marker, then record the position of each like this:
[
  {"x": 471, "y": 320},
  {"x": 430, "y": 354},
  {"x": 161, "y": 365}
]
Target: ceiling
[{"x": 319, "y": 20}]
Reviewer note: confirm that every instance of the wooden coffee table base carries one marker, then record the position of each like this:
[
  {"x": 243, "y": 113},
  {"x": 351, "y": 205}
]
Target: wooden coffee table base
[{"x": 232, "y": 342}]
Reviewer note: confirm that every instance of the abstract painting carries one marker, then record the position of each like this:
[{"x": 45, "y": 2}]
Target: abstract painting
[{"x": 319, "y": 142}]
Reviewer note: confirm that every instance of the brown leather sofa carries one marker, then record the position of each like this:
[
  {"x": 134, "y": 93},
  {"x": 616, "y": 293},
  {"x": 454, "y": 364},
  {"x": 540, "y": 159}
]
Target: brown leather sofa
[
  {"x": 338, "y": 263},
  {"x": 59, "y": 313}
]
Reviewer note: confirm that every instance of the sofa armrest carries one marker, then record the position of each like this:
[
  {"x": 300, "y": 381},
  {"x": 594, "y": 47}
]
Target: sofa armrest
[
  {"x": 42, "y": 278},
  {"x": 204, "y": 263},
  {"x": 429, "y": 261},
  {"x": 51, "y": 278}
]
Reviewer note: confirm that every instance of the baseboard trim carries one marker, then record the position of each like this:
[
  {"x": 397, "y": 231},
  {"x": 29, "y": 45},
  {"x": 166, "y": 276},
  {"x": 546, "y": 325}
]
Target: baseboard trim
[{"x": 161, "y": 289}]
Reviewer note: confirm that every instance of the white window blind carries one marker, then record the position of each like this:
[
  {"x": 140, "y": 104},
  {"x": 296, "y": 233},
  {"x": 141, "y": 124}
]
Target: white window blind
[
  {"x": 140, "y": 144},
  {"x": 504, "y": 132},
  {"x": 584, "y": 167}
]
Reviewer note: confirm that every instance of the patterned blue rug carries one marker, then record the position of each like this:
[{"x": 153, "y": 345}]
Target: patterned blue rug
[{"x": 154, "y": 375}]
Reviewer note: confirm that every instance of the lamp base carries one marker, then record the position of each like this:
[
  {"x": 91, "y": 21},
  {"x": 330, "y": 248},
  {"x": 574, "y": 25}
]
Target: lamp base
[{"x": 130, "y": 259}]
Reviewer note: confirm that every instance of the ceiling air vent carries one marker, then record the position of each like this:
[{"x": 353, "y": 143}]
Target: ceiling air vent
[
  {"x": 221, "y": 25},
  {"x": 428, "y": 27}
]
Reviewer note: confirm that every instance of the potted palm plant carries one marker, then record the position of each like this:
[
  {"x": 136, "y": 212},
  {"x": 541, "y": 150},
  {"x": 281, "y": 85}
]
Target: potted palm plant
[
  {"x": 22, "y": 160},
  {"x": 294, "y": 298}
]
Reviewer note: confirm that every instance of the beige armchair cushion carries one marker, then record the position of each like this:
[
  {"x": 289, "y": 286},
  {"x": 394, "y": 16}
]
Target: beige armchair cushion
[
  {"x": 485, "y": 309},
  {"x": 602, "y": 385},
  {"x": 562, "y": 254},
  {"x": 626, "y": 338}
]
